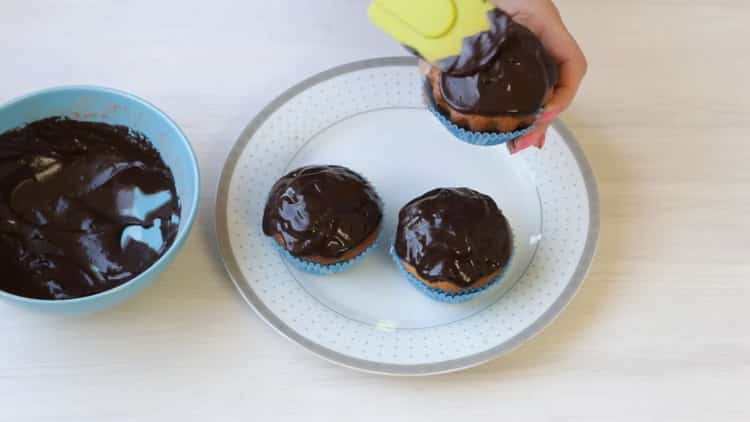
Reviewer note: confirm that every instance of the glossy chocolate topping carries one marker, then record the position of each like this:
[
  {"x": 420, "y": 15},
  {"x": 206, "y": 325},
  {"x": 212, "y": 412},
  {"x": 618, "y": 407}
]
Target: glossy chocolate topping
[
  {"x": 478, "y": 50},
  {"x": 502, "y": 71},
  {"x": 456, "y": 235},
  {"x": 322, "y": 211},
  {"x": 84, "y": 207}
]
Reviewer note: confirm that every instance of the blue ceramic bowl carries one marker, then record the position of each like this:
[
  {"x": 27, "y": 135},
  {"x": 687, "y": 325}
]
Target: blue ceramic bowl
[{"x": 106, "y": 105}]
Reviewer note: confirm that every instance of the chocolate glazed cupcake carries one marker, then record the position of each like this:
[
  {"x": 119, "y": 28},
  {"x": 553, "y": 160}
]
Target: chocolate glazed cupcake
[
  {"x": 323, "y": 218},
  {"x": 497, "y": 85},
  {"x": 453, "y": 244}
]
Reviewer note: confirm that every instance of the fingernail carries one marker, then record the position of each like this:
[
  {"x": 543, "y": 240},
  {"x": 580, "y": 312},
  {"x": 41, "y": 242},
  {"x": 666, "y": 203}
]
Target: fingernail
[
  {"x": 532, "y": 138},
  {"x": 548, "y": 116},
  {"x": 512, "y": 147},
  {"x": 525, "y": 141},
  {"x": 540, "y": 143}
]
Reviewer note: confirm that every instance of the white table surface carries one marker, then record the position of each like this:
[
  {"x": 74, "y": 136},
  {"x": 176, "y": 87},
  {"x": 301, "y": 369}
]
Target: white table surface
[{"x": 659, "y": 331}]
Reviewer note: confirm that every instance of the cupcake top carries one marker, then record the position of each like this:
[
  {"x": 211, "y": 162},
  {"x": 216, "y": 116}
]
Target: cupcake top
[
  {"x": 84, "y": 207},
  {"x": 322, "y": 211},
  {"x": 453, "y": 234},
  {"x": 502, "y": 71}
]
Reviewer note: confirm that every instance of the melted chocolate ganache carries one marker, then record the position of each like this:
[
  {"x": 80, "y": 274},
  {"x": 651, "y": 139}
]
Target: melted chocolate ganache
[
  {"x": 322, "y": 211},
  {"x": 502, "y": 71},
  {"x": 84, "y": 207},
  {"x": 456, "y": 235}
]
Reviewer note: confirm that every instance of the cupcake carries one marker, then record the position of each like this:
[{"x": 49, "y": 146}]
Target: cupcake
[
  {"x": 452, "y": 244},
  {"x": 494, "y": 89},
  {"x": 323, "y": 218}
]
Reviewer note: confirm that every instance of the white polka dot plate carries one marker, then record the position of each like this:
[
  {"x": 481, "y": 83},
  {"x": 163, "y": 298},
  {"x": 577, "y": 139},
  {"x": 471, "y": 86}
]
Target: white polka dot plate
[{"x": 369, "y": 116}]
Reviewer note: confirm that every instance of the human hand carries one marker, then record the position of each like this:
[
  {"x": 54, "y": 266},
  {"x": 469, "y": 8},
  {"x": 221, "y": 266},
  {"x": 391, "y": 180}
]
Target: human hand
[{"x": 543, "y": 19}]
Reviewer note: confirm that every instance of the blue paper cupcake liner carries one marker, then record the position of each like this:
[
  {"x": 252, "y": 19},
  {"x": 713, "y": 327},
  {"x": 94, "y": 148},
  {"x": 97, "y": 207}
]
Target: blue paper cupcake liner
[
  {"x": 442, "y": 295},
  {"x": 471, "y": 137},
  {"x": 323, "y": 269},
  {"x": 477, "y": 138}
]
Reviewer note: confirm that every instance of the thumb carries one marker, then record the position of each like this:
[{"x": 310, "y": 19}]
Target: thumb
[{"x": 534, "y": 138}]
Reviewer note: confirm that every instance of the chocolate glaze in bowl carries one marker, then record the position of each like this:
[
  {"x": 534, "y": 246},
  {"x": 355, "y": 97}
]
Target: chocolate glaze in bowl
[
  {"x": 84, "y": 207},
  {"x": 103, "y": 105}
]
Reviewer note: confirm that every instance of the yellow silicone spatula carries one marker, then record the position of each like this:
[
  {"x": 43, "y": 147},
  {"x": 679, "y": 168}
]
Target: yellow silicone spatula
[{"x": 433, "y": 28}]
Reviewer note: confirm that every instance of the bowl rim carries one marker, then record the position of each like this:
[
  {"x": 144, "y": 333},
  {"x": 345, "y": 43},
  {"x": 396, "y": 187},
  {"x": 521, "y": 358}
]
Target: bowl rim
[{"x": 181, "y": 235}]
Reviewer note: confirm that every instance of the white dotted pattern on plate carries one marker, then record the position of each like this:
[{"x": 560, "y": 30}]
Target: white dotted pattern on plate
[{"x": 565, "y": 222}]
